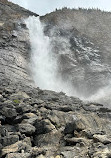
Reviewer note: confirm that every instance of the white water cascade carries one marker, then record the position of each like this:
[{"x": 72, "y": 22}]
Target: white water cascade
[{"x": 43, "y": 61}]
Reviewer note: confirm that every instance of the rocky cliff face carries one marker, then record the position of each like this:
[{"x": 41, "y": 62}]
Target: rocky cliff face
[
  {"x": 81, "y": 40},
  {"x": 14, "y": 44},
  {"x": 38, "y": 123}
]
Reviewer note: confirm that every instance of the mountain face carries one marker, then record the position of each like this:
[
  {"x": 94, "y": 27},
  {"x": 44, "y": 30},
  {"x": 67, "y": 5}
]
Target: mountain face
[
  {"x": 37, "y": 123},
  {"x": 81, "y": 41}
]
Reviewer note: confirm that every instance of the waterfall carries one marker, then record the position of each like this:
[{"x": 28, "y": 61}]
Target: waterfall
[{"x": 44, "y": 64}]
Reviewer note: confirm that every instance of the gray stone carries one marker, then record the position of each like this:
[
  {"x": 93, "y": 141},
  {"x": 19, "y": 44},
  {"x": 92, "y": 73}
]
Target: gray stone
[
  {"x": 9, "y": 113},
  {"x": 19, "y": 155},
  {"x": 102, "y": 138},
  {"x": 8, "y": 140},
  {"x": 23, "y": 108},
  {"x": 44, "y": 126},
  {"x": 3, "y": 131},
  {"x": 17, "y": 148},
  {"x": 1, "y": 97},
  {"x": 27, "y": 129},
  {"x": 48, "y": 139}
]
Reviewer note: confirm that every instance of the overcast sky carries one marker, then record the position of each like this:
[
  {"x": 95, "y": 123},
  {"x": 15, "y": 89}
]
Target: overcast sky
[{"x": 42, "y": 7}]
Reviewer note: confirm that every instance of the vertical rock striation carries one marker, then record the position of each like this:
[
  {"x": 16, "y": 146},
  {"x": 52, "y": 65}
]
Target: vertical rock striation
[{"x": 14, "y": 44}]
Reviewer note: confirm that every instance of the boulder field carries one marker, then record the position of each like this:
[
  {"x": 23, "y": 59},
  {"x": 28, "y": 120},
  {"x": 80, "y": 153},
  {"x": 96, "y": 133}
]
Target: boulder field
[{"x": 45, "y": 124}]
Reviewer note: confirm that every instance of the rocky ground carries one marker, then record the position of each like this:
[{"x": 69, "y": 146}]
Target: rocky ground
[
  {"x": 46, "y": 124},
  {"x": 38, "y": 123}
]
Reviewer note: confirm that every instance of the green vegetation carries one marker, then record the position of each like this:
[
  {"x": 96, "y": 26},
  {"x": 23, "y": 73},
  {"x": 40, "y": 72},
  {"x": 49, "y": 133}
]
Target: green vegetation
[{"x": 16, "y": 101}]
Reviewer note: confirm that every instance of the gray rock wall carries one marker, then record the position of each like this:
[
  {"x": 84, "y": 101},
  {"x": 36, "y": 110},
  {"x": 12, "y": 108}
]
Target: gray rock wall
[{"x": 14, "y": 44}]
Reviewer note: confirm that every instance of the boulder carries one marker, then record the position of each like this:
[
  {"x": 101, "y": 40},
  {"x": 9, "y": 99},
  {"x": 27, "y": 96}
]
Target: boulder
[
  {"x": 29, "y": 121},
  {"x": 19, "y": 95},
  {"x": 27, "y": 129},
  {"x": 9, "y": 113},
  {"x": 29, "y": 118},
  {"x": 8, "y": 140},
  {"x": 25, "y": 108},
  {"x": 102, "y": 138},
  {"x": 16, "y": 148},
  {"x": 10, "y": 128},
  {"x": 49, "y": 139},
  {"x": 75, "y": 124},
  {"x": 44, "y": 126}
]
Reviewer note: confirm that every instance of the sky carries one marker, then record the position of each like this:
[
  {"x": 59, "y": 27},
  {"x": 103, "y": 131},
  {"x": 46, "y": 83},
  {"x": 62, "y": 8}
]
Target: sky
[{"x": 43, "y": 7}]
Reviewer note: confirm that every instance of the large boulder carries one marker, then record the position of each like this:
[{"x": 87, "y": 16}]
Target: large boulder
[
  {"x": 43, "y": 126},
  {"x": 8, "y": 140},
  {"x": 27, "y": 129}
]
